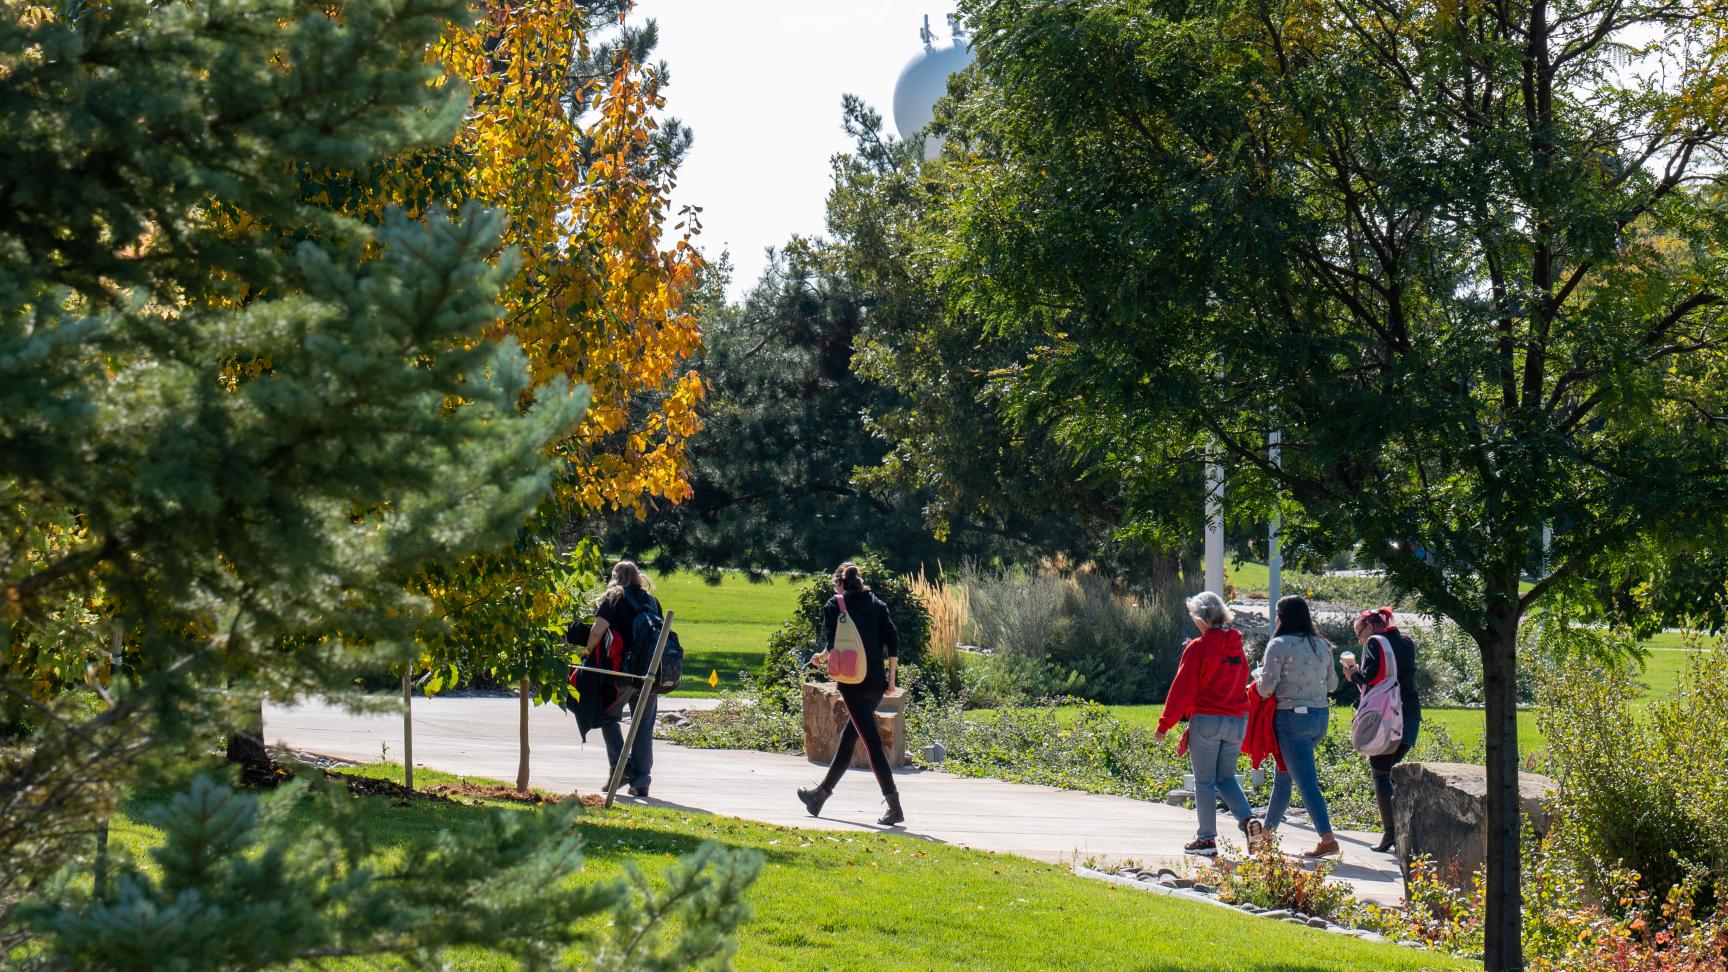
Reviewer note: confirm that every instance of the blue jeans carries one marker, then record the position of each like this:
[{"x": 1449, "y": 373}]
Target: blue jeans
[
  {"x": 641, "y": 762},
  {"x": 1214, "y": 742},
  {"x": 1298, "y": 734}
]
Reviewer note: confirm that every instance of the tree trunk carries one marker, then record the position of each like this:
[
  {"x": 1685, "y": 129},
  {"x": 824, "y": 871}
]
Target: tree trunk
[
  {"x": 408, "y": 729},
  {"x": 1502, "y": 948},
  {"x": 522, "y": 732}
]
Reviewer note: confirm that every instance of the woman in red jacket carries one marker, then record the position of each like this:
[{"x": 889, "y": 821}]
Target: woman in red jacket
[{"x": 1210, "y": 694}]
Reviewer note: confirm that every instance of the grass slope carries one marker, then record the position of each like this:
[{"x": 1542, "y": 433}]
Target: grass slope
[{"x": 877, "y": 901}]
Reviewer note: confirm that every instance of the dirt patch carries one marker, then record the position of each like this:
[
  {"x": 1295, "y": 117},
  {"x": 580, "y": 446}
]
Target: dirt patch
[
  {"x": 372, "y": 786},
  {"x": 493, "y": 791}
]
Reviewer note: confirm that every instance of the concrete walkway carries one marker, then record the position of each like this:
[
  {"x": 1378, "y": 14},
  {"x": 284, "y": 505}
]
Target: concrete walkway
[{"x": 477, "y": 737}]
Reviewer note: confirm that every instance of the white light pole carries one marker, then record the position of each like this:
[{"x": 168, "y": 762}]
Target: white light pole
[
  {"x": 1214, "y": 527},
  {"x": 1274, "y": 557}
]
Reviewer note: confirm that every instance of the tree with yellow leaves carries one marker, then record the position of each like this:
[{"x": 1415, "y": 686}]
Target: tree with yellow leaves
[{"x": 572, "y": 159}]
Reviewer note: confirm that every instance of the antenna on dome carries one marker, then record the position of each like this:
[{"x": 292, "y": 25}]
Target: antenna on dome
[
  {"x": 956, "y": 29},
  {"x": 924, "y": 32}
]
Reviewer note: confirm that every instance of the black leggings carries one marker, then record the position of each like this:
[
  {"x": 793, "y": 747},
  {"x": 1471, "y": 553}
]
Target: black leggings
[
  {"x": 1380, "y": 767},
  {"x": 861, "y": 712}
]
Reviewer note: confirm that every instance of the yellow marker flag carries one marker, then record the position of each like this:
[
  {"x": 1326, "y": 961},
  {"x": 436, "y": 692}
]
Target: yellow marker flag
[{"x": 714, "y": 678}]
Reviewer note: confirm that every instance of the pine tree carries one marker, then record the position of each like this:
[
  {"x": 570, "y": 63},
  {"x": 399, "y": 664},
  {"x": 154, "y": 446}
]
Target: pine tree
[{"x": 220, "y": 447}]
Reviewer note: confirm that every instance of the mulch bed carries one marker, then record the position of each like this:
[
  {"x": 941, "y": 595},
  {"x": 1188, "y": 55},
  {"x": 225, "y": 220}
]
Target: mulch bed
[{"x": 495, "y": 791}]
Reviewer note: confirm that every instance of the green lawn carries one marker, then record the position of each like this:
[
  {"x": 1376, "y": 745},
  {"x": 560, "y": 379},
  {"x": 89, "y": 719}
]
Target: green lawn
[
  {"x": 724, "y": 627},
  {"x": 874, "y": 901}
]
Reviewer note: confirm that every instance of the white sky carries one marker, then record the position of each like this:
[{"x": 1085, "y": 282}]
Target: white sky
[{"x": 760, "y": 82}]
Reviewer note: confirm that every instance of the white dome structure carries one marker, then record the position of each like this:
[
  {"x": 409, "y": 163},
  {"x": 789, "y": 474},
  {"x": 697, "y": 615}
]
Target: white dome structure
[{"x": 924, "y": 79}]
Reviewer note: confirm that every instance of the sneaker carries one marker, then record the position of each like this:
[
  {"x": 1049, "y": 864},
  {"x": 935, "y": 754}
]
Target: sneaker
[
  {"x": 638, "y": 791},
  {"x": 1256, "y": 833},
  {"x": 1207, "y": 847}
]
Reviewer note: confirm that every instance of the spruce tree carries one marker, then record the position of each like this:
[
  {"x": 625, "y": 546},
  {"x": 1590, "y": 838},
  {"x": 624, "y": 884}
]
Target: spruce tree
[{"x": 232, "y": 422}]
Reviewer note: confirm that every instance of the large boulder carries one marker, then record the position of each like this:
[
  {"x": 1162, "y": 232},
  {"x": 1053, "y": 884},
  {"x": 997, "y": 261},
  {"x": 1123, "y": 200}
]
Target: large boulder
[
  {"x": 825, "y": 717},
  {"x": 1441, "y": 811}
]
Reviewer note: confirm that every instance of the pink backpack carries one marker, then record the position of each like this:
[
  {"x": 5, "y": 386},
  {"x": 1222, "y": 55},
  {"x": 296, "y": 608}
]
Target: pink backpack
[{"x": 1378, "y": 728}]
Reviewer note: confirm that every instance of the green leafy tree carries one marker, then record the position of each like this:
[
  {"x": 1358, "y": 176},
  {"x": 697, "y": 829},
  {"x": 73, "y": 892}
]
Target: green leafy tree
[
  {"x": 846, "y": 403},
  {"x": 1466, "y": 258},
  {"x": 785, "y": 429},
  {"x": 222, "y": 458},
  {"x": 954, "y": 445}
]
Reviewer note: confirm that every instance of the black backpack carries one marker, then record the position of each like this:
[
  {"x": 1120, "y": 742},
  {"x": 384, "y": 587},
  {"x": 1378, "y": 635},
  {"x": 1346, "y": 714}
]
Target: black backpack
[{"x": 639, "y": 651}]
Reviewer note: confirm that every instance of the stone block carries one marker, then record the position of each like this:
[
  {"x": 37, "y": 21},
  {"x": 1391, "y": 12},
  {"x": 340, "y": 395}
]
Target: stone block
[
  {"x": 1441, "y": 811},
  {"x": 825, "y": 717}
]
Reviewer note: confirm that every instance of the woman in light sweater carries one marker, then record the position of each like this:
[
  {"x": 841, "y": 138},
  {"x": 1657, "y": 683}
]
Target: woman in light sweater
[{"x": 1298, "y": 669}]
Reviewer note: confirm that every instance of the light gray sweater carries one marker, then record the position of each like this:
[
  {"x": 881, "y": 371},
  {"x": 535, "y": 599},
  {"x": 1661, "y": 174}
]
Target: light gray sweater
[{"x": 1299, "y": 670}]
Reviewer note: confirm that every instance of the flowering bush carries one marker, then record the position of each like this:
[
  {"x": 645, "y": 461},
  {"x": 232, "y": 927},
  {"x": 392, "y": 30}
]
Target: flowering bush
[
  {"x": 1568, "y": 927},
  {"x": 1268, "y": 879}
]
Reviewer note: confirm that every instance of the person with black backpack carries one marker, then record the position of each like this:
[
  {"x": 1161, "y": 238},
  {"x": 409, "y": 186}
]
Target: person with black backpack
[
  {"x": 628, "y": 613},
  {"x": 862, "y": 649}
]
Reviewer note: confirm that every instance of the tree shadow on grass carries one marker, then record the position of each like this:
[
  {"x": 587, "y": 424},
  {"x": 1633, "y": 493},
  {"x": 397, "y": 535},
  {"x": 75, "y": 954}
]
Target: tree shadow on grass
[{"x": 610, "y": 834}]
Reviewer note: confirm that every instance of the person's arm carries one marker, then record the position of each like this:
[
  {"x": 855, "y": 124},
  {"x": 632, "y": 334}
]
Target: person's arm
[
  {"x": 1181, "y": 695},
  {"x": 1368, "y": 673},
  {"x": 889, "y": 637},
  {"x": 830, "y": 619},
  {"x": 886, "y": 633},
  {"x": 598, "y": 632},
  {"x": 1271, "y": 669},
  {"x": 1331, "y": 668}
]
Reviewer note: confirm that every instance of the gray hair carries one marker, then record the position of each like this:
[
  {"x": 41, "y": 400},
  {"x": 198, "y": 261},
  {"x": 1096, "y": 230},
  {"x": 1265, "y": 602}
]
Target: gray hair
[{"x": 1210, "y": 608}]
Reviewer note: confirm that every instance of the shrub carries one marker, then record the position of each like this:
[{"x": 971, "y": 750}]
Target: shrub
[
  {"x": 1013, "y": 611},
  {"x": 1646, "y": 791},
  {"x": 1095, "y": 752},
  {"x": 740, "y": 721},
  {"x": 786, "y": 664},
  {"x": 1451, "y": 665},
  {"x": 1268, "y": 879},
  {"x": 1579, "y": 915},
  {"x": 950, "y": 610},
  {"x": 1347, "y": 591},
  {"x": 1077, "y": 636}
]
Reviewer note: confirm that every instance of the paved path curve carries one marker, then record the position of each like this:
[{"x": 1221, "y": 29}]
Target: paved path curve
[{"x": 477, "y": 737}]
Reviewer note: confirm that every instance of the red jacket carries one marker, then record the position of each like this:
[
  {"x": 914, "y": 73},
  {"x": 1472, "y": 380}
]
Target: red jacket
[
  {"x": 1209, "y": 679},
  {"x": 1261, "y": 739}
]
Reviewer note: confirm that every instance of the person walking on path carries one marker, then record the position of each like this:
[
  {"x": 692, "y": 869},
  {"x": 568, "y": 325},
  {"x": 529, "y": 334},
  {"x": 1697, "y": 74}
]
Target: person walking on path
[
  {"x": 1378, "y": 634},
  {"x": 1209, "y": 693},
  {"x": 881, "y": 649},
  {"x": 628, "y": 593},
  {"x": 1299, "y": 671}
]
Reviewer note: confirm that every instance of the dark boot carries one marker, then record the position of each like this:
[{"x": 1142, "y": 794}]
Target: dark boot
[
  {"x": 813, "y": 799},
  {"x": 895, "y": 814},
  {"x": 1388, "y": 836}
]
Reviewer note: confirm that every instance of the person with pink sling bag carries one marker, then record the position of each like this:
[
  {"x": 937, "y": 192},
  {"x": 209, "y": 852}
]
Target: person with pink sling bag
[
  {"x": 862, "y": 649},
  {"x": 1390, "y": 714}
]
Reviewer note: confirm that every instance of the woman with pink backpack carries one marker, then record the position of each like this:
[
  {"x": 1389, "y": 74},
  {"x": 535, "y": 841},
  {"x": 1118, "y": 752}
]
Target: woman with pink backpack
[
  {"x": 1387, "y": 680},
  {"x": 862, "y": 649}
]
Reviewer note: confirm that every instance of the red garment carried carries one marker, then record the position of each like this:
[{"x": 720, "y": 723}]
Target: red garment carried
[
  {"x": 1261, "y": 739},
  {"x": 1208, "y": 679}
]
